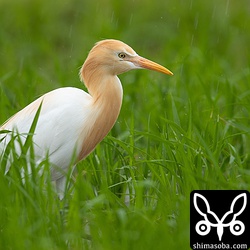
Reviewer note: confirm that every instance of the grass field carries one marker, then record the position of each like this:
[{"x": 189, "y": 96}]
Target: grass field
[{"x": 174, "y": 134}]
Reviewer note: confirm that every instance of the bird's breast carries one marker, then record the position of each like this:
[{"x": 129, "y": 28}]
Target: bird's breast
[{"x": 103, "y": 114}]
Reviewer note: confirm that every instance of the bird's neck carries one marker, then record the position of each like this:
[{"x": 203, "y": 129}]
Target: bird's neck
[
  {"x": 105, "y": 106},
  {"x": 107, "y": 100}
]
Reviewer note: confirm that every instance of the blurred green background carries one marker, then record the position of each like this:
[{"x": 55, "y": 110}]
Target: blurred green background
[
  {"x": 195, "y": 125},
  {"x": 205, "y": 44}
]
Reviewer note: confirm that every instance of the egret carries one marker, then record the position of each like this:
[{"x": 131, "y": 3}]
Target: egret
[{"x": 72, "y": 121}]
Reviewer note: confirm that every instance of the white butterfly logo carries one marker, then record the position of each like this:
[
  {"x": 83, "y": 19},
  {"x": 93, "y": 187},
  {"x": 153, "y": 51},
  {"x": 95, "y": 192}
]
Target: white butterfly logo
[{"x": 203, "y": 227}]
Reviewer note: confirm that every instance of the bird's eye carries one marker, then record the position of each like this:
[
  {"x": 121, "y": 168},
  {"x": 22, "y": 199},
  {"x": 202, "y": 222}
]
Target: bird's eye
[{"x": 122, "y": 55}]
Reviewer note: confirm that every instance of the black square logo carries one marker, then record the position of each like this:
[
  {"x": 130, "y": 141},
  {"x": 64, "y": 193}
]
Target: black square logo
[{"x": 219, "y": 219}]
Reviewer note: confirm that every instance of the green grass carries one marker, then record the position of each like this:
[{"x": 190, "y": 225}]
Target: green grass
[{"x": 174, "y": 134}]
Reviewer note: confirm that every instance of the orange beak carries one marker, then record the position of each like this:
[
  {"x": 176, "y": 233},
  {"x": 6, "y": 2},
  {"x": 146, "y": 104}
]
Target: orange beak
[{"x": 147, "y": 64}]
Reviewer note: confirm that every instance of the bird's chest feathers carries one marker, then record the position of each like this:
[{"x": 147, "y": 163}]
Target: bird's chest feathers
[{"x": 105, "y": 110}]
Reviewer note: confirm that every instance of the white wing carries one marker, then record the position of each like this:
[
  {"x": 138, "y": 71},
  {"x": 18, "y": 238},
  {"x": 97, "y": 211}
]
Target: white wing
[{"x": 65, "y": 113}]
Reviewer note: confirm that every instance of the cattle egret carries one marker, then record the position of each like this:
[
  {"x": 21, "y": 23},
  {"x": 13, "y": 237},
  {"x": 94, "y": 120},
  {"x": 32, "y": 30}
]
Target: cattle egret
[{"x": 72, "y": 121}]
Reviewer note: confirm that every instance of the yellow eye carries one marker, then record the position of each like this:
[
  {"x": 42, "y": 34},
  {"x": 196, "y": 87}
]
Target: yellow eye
[{"x": 122, "y": 55}]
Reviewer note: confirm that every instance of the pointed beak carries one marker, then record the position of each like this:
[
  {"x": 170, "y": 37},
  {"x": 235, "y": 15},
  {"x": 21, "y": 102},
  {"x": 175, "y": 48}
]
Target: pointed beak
[{"x": 144, "y": 63}]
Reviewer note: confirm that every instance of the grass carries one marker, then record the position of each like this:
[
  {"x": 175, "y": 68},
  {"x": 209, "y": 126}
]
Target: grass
[{"x": 174, "y": 134}]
